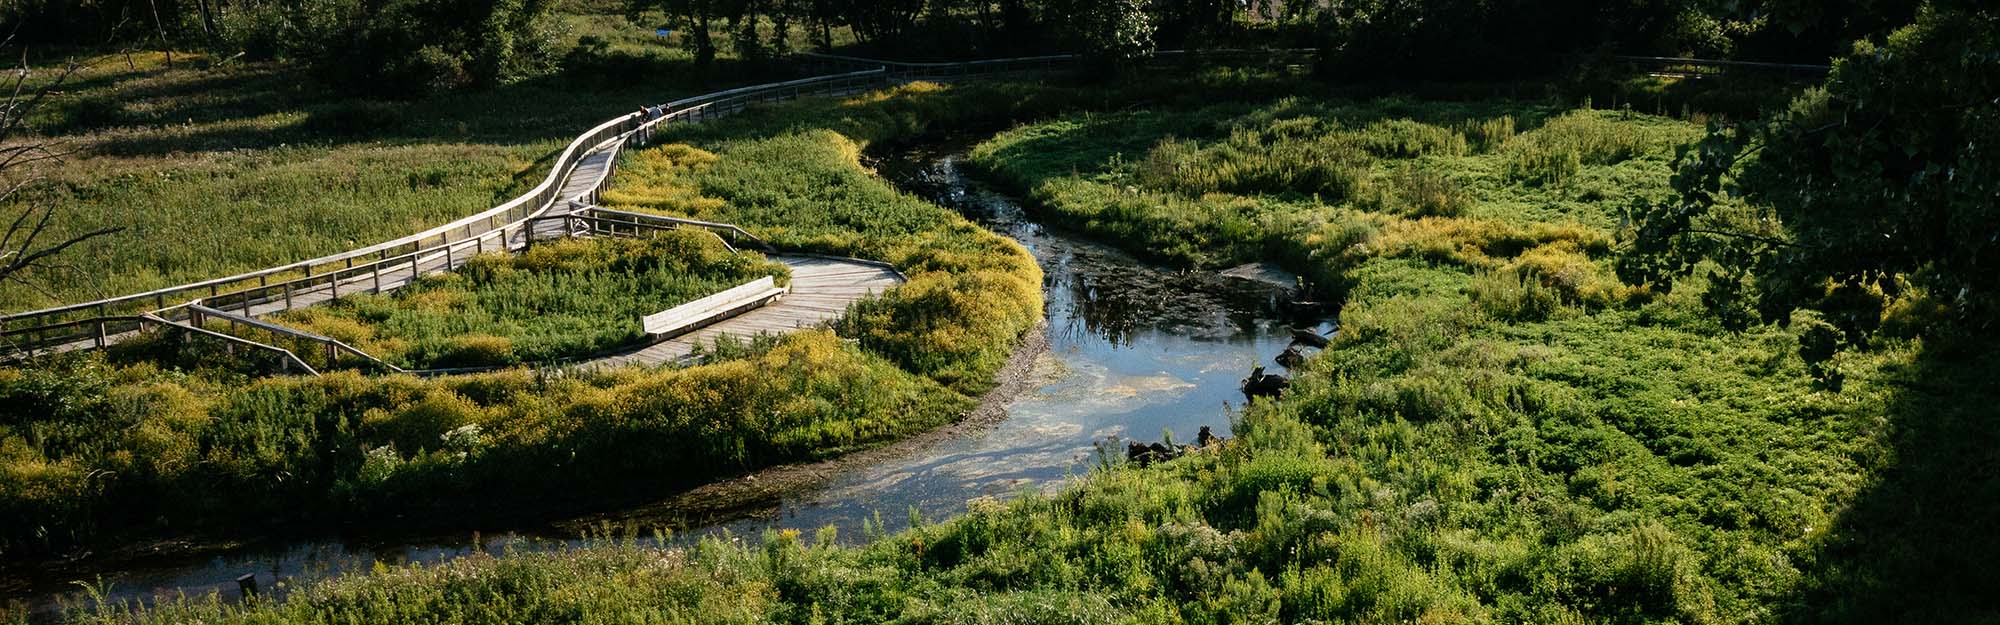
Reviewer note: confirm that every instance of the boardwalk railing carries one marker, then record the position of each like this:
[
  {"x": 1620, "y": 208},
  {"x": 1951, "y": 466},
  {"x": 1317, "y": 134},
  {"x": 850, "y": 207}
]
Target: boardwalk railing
[
  {"x": 508, "y": 226},
  {"x": 1705, "y": 67},
  {"x": 902, "y": 70},
  {"x": 391, "y": 264},
  {"x": 589, "y": 220}
]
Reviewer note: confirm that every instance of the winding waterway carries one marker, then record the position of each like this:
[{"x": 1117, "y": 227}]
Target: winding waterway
[{"x": 1134, "y": 351}]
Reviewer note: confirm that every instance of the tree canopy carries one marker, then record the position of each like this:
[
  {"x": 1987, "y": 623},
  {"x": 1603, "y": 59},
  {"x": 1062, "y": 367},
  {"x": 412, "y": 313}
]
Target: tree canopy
[{"x": 1878, "y": 187}]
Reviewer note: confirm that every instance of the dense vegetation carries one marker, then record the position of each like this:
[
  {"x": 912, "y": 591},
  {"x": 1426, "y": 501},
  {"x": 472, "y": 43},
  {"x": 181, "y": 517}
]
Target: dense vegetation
[
  {"x": 1594, "y": 365},
  {"x": 564, "y": 299},
  {"x": 1503, "y": 431},
  {"x": 91, "y": 450},
  {"x": 1869, "y": 193},
  {"x": 410, "y": 47}
]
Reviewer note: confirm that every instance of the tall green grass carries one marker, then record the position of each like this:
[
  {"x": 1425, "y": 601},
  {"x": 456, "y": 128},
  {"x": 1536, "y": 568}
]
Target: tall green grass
[
  {"x": 217, "y": 167},
  {"x": 563, "y": 299}
]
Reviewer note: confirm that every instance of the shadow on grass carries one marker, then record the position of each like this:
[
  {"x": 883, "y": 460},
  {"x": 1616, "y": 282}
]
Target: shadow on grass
[
  {"x": 244, "y": 108},
  {"x": 1918, "y": 545}
]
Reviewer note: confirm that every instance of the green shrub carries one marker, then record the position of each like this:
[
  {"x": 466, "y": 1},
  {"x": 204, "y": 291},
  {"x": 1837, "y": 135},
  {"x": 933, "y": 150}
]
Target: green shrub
[
  {"x": 347, "y": 448},
  {"x": 1404, "y": 139},
  {"x": 1555, "y": 152},
  {"x": 1420, "y": 192},
  {"x": 1485, "y": 135},
  {"x": 1514, "y": 296}
]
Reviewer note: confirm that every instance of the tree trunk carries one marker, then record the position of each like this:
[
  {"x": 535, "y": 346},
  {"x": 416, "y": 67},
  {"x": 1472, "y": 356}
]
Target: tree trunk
[
  {"x": 704, "y": 46},
  {"x": 207, "y": 21}
]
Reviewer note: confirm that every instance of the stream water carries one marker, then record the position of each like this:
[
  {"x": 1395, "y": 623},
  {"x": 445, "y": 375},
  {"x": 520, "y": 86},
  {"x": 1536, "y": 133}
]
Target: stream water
[{"x": 1134, "y": 351}]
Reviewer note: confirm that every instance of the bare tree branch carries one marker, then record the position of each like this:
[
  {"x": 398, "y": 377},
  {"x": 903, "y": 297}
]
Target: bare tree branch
[{"x": 29, "y": 243}]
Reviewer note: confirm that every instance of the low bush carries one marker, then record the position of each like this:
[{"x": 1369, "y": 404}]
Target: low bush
[
  {"x": 1514, "y": 296},
  {"x": 1555, "y": 152}
]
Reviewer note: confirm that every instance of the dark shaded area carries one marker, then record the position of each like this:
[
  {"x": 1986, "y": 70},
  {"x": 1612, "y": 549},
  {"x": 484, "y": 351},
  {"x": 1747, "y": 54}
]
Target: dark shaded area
[
  {"x": 223, "y": 106},
  {"x": 1917, "y": 546}
]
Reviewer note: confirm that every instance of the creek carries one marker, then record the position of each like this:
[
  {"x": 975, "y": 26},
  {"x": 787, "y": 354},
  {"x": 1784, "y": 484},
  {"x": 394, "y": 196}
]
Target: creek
[{"x": 1134, "y": 351}]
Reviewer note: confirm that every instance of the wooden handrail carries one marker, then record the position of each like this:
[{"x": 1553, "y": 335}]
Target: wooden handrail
[
  {"x": 1668, "y": 60},
  {"x": 267, "y": 326},
  {"x": 529, "y": 204},
  {"x": 470, "y": 234},
  {"x": 631, "y": 217},
  {"x": 291, "y": 357}
]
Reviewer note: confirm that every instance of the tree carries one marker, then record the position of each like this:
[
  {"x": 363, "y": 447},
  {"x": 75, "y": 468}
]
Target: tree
[
  {"x": 1883, "y": 180},
  {"x": 28, "y": 246},
  {"x": 1184, "y": 23},
  {"x": 1110, "y": 33}
]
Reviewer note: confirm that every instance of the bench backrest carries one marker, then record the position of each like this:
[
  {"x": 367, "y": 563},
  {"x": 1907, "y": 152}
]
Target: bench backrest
[{"x": 667, "y": 320}]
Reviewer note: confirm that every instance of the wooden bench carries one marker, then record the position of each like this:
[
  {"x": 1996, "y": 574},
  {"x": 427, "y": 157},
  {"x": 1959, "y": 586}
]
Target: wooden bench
[{"x": 707, "y": 311}]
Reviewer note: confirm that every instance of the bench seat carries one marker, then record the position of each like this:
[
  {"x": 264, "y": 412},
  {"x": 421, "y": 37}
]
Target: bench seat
[{"x": 706, "y": 311}]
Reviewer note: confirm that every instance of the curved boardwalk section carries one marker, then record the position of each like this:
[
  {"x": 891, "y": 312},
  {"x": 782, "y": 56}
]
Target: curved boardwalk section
[{"x": 822, "y": 289}]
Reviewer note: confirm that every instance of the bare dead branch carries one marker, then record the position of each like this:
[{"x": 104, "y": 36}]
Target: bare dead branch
[
  {"x": 25, "y": 245},
  {"x": 24, "y": 261}
]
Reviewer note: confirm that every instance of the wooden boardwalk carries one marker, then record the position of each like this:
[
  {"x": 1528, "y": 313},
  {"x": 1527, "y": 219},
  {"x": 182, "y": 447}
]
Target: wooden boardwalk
[
  {"x": 822, "y": 289},
  {"x": 588, "y": 172}
]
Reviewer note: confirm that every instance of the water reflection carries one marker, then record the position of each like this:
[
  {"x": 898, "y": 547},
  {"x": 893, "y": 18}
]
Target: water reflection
[{"x": 1135, "y": 351}]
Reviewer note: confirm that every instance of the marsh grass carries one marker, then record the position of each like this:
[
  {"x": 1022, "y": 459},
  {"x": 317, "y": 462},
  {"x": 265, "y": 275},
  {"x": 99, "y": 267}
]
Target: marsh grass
[{"x": 220, "y": 168}]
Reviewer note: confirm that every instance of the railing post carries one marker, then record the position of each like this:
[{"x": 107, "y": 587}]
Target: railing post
[
  {"x": 333, "y": 284},
  {"x": 288, "y": 296},
  {"x": 100, "y": 333},
  {"x": 378, "y": 276}
]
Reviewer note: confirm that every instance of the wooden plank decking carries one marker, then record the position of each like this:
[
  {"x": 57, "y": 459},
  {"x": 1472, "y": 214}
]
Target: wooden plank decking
[{"x": 822, "y": 289}]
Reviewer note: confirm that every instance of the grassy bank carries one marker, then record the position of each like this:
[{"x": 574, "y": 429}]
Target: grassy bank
[
  {"x": 1501, "y": 432},
  {"x": 564, "y": 299}
]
